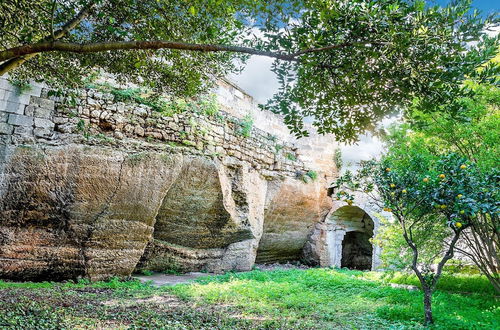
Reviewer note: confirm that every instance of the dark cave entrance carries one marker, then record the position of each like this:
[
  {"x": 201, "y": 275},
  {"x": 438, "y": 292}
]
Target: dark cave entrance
[{"x": 357, "y": 251}]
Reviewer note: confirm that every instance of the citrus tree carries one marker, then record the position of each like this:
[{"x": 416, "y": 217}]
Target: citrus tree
[
  {"x": 344, "y": 63},
  {"x": 470, "y": 127},
  {"x": 433, "y": 198}
]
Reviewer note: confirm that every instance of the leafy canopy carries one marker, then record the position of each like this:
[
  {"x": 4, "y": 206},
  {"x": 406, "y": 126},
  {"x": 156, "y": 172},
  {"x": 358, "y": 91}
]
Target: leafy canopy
[{"x": 344, "y": 63}]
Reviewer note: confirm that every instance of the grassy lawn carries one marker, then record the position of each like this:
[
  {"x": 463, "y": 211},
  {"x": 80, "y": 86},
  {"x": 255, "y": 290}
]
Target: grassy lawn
[{"x": 286, "y": 299}]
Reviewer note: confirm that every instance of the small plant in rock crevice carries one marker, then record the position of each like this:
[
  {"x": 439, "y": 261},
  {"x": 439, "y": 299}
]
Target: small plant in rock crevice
[
  {"x": 21, "y": 86},
  {"x": 206, "y": 105},
  {"x": 290, "y": 156},
  {"x": 245, "y": 126},
  {"x": 308, "y": 176}
]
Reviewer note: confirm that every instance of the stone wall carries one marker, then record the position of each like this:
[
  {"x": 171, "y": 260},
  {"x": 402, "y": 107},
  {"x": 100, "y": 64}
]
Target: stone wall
[{"x": 94, "y": 188}]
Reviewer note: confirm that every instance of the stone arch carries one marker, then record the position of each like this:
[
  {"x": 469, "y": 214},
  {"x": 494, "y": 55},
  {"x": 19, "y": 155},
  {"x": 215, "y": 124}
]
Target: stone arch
[{"x": 343, "y": 239}]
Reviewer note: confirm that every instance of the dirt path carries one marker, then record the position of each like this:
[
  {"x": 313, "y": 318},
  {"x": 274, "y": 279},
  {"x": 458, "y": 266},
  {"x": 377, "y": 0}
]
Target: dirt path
[{"x": 160, "y": 279}]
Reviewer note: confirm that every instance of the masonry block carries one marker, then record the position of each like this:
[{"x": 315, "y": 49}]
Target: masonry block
[
  {"x": 44, "y": 123},
  {"x": 42, "y": 112},
  {"x": 42, "y": 103},
  {"x": 20, "y": 120},
  {"x": 3, "y": 117},
  {"x": 5, "y": 128},
  {"x": 42, "y": 132},
  {"x": 29, "y": 110},
  {"x": 14, "y": 96},
  {"x": 13, "y": 107},
  {"x": 23, "y": 130}
]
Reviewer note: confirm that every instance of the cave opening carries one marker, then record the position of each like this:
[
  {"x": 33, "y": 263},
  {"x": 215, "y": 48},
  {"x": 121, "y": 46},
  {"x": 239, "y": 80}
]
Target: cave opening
[{"x": 357, "y": 251}]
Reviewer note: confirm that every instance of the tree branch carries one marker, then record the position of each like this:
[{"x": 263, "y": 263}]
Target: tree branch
[
  {"x": 448, "y": 255},
  {"x": 130, "y": 45},
  {"x": 14, "y": 61}
]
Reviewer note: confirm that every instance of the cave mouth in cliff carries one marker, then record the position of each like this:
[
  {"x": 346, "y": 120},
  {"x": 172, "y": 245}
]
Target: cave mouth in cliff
[{"x": 357, "y": 251}]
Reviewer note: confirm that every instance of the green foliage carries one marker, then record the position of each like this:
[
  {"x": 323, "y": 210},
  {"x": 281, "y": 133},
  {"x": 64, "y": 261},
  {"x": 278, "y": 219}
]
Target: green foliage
[
  {"x": 245, "y": 126},
  {"x": 308, "y": 176},
  {"x": 337, "y": 158},
  {"x": 188, "y": 143},
  {"x": 21, "y": 86},
  {"x": 436, "y": 195},
  {"x": 337, "y": 57},
  {"x": 312, "y": 174},
  {"x": 205, "y": 104},
  {"x": 146, "y": 272},
  {"x": 457, "y": 282},
  {"x": 468, "y": 127},
  {"x": 335, "y": 86},
  {"x": 290, "y": 156}
]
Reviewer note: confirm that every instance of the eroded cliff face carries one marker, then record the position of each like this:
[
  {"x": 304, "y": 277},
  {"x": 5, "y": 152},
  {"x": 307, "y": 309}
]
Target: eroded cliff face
[{"x": 103, "y": 188}]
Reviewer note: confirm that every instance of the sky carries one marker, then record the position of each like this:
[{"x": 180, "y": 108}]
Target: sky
[{"x": 258, "y": 80}]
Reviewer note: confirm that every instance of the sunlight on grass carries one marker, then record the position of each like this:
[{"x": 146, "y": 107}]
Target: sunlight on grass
[{"x": 328, "y": 295}]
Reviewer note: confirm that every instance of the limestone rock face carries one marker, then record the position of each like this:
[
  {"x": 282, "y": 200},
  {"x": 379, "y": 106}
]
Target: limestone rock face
[
  {"x": 77, "y": 211},
  {"x": 292, "y": 209},
  {"x": 105, "y": 188}
]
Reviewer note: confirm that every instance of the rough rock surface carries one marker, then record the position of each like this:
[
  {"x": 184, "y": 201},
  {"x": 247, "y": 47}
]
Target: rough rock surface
[{"x": 102, "y": 188}]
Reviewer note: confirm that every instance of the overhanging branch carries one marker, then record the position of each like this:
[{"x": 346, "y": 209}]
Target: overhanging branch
[
  {"x": 13, "y": 62},
  {"x": 52, "y": 46}
]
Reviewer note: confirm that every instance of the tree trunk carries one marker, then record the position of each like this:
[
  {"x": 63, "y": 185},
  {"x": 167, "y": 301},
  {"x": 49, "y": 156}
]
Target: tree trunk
[{"x": 428, "y": 306}]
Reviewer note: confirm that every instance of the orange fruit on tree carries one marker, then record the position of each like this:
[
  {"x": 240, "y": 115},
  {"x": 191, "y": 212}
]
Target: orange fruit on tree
[
  {"x": 404, "y": 191},
  {"x": 442, "y": 176},
  {"x": 426, "y": 180},
  {"x": 443, "y": 206},
  {"x": 393, "y": 185},
  {"x": 462, "y": 212},
  {"x": 460, "y": 196},
  {"x": 463, "y": 166},
  {"x": 458, "y": 224},
  {"x": 388, "y": 169}
]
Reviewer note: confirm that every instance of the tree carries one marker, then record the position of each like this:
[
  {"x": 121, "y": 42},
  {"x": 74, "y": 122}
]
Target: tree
[
  {"x": 469, "y": 127},
  {"x": 347, "y": 64},
  {"x": 432, "y": 197}
]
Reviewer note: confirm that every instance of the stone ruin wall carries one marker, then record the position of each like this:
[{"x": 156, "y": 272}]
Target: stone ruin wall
[{"x": 103, "y": 188}]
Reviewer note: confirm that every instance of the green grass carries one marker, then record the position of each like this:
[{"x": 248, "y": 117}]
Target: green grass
[
  {"x": 342, "y": 299},
  {"x": 280, "y": 299},
  {"x": 463, "y": 283}
]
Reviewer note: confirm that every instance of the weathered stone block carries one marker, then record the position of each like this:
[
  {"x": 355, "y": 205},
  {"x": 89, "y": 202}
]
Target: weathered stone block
[
  {"x": 139, "y": 130},
  {"x": 42, "y": 132},
  {"x": 60, "y": 120},
  {"x": 12, "y": 107},
  {"x": 140, "y": 112},
  {"x": 44, "y": 123},
  {"x": 5, "y": 128},
  {"x": 23, "y": 130},
  {"x": 41, "y": 102},
  {"x": 20, "y": 120},
  {"x": 42, "y": 112},
  {"x": 3, "y": 117},
  {"x": 29, "y": 110}
]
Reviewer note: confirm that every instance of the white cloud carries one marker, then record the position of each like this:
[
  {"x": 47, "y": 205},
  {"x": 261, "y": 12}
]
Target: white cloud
[{"x": 257, "y": 79}]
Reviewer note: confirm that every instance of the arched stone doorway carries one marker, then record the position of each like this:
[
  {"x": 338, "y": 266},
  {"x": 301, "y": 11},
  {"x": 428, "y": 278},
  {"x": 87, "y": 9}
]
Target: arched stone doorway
[
  {"x": 357, "y": 251},
  {"x": 344, "y": 239}
]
